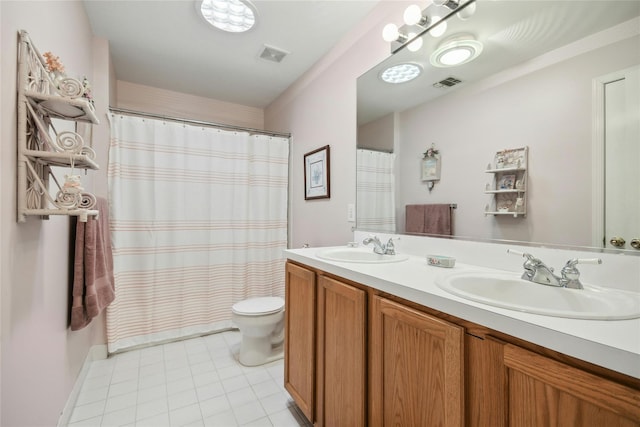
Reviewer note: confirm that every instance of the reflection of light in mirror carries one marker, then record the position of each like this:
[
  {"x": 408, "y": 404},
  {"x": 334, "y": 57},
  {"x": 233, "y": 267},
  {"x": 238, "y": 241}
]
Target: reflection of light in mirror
[
  {"x": 544, "y": 26},
  {"x": 456, "y": 51},
  {"x": 455, "y": 56},
  {"x": 401, "y": 73},
  {"x": 467, "y": 12},
  {"x": 439, "y": 29},
  {"x": 415, "y": 45}
]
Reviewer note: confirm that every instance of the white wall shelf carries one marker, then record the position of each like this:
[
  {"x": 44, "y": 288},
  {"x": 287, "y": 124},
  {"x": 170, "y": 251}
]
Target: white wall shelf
[
  {"x": 508, "y": 187},
  {"x": 43, "y": 96}
]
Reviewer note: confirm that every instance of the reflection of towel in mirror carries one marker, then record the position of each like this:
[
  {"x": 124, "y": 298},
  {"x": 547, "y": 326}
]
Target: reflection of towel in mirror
[
  {"x": 429, "y": 219},
  {"x": 93, "y": 283}
]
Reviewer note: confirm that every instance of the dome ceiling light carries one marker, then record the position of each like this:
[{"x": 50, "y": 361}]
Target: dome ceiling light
[
  {"x": 456, "y": 51},
  {"x": 401, "y": 73},
  {"x": 233, "y": 16}
]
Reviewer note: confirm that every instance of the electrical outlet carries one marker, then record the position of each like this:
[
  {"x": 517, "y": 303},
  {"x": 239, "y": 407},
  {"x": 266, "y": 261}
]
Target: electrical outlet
[{"x": 351, "y": 212}]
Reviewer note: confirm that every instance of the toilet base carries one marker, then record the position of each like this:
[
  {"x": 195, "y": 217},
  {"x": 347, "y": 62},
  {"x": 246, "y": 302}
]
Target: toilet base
[{"x": 258, "y": 351}]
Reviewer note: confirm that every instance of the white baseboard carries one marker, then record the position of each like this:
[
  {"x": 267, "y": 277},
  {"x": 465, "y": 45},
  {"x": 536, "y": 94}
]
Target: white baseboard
[{"x": 96, "y": 352}]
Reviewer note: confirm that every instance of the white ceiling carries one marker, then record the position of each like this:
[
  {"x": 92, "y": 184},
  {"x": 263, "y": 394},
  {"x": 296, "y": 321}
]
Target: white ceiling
[{"x": 167, "y": 44}]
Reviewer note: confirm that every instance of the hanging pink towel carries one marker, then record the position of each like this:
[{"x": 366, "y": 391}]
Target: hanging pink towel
[
  {"x": 429, "y": 219},
  {"x": 414, "y": 219},
  {"x": 93, "y": 283}
]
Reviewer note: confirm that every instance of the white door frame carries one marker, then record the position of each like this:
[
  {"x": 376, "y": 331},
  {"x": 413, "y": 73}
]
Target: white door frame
[{"x": 597, "y": 153}]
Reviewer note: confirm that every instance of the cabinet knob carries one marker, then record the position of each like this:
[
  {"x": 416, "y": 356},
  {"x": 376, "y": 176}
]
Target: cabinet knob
[
  {"x": 635, "y": 243},
  {"x": 618, "y": 242}
]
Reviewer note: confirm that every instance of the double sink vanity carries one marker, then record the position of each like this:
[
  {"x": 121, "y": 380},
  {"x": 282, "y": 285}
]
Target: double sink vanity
[{"x": 375, "y": 339}]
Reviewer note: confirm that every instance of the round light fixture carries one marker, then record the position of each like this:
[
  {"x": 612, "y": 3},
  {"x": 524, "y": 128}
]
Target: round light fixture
[
  {"x": 439, "y": 26},
  {"x": 390, "y": 33},
  {"x": 415, "y": 45},
  {"x": 467, "y": 12},
  {"x": 456, "y": 51},
  {"x": 401, "y": 73},
  {"x": 234, "y": 16},
  {"x": 412, "y": 15}
]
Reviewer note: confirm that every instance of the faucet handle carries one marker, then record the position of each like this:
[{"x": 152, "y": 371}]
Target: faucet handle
[
  {"x": 570, "y": 273},
  {"x": 390, "y": 248},
  {"x": 522, "y": 254},
  {"x": 574, "y": 261}
]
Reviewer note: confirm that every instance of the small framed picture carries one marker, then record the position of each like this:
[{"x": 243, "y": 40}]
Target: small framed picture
[
  {"x": 507, "y": 182},
  {"x": 317, "y": 174},
  {"x": 431, "y": 168}
]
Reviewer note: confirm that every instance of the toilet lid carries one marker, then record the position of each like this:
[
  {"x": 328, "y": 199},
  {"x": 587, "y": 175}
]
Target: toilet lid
[{"x": 258, "y": 306}]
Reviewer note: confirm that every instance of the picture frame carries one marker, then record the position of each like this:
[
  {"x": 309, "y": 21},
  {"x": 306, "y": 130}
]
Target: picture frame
[
  {"x": 317, "y": 177},
  {"x": 431, "y": 168},
  {"x": 507, "y": 182}
]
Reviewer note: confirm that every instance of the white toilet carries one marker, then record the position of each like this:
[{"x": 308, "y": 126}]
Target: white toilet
[{"x": 261, "y": 323}]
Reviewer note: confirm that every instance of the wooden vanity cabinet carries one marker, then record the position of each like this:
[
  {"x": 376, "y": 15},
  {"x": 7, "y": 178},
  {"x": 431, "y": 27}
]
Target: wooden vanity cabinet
[
  {"x": 416, "y": 372},
  {"x": 342, "y": 354},
  {"x": 325, "y": 347},
  {"x": 300, "y": 333},
  {"x": 354, "y": 357},
  {"x": 545, "y": 392}
]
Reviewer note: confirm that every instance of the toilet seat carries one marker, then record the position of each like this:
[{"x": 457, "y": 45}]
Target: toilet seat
[{"x": 258, "y": 306}]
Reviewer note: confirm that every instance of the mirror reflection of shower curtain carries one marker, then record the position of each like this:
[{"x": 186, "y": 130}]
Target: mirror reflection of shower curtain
[
  {"x": 375, "y": 205},
  {"x": 198, "y": 218}
]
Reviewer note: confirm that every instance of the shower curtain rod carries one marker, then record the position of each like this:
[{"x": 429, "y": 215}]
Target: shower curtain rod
[
  {"x": 198, "y": 122},
  {"x": 375, "y": 150}
]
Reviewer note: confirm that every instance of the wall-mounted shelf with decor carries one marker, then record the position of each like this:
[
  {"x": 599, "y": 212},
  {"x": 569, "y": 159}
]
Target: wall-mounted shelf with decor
[
  {"x": 45, "y": 94},
  {"x": 508, "y": 187}
]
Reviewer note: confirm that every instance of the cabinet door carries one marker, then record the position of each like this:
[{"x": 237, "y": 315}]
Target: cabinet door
[
  {"x": 300, "y": 324},
  {"x": 341, "y": 354},
  {"x": 545, "y": 392},
  {"x": 484, "y": 382},
  {"x": 416, "y": 372}
]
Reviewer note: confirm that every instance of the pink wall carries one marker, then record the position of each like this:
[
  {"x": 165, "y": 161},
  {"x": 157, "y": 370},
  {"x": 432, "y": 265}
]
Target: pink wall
[
  {"x": 164, "y": 102},
  {"x": 41, "y": 357},
  {"x": 320, "y": 109}
]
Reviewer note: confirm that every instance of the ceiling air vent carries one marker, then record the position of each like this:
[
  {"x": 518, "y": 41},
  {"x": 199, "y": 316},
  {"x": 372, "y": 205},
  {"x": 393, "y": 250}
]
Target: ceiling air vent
[
  {"x": 273, "y": 54},
  {"x": 448, "y": 82}
]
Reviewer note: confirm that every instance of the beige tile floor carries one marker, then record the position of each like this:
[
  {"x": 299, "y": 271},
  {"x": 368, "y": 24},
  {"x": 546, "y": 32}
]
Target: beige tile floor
[{"x": 195, "y": 382}]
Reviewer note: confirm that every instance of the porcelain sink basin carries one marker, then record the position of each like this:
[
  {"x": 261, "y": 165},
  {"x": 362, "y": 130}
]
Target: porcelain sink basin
[
  {"x": 508, "y": 290},
  {"x": 359, "y": 255}
]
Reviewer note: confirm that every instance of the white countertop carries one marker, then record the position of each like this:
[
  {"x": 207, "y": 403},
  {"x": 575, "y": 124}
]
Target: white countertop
[{"x": 613, "y": 344}]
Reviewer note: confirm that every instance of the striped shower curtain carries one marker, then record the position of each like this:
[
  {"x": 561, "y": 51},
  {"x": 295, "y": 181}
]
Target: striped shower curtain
[
  {"x": 375, "y": 189},
  {"x": 199, "y": 221}
]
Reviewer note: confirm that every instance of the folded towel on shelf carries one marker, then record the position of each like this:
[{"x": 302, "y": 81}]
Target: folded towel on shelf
[
  {"x": 93, "y": 282},
  {"x": 429, "y": 219}
]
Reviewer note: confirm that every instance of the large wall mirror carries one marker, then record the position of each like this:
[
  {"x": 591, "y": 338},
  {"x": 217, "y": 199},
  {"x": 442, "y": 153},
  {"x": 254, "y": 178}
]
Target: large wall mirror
[{"x": 557, "y": 77}]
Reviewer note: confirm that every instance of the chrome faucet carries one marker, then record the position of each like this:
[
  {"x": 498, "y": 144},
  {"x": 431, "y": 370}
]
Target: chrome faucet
[
  {"x": 378, "y": 247},
  {"x": 537, "y": 271}
]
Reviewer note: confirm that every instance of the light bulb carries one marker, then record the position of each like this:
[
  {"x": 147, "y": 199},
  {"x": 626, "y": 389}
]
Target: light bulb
[
  {"x": 412, "y": 15},
  {"x": 467, "y": 12},
  {"x": 390, "y": 33},
  {"x": 440, "y": 26},
  {"x": 455, "y": 56},
  {"x": 415, "y": 45}
]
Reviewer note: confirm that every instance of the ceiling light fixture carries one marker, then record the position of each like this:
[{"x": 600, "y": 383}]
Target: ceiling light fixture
[
  {"x": 401, "y": 73},
  {"x": 456, "y": 51},
  {"x": 234, "y": 16}
]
